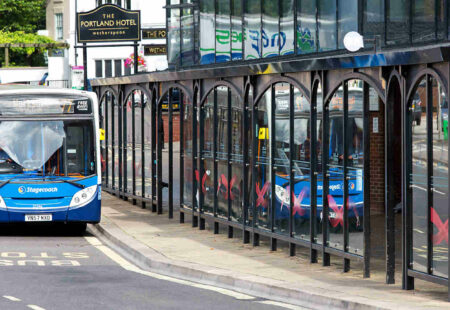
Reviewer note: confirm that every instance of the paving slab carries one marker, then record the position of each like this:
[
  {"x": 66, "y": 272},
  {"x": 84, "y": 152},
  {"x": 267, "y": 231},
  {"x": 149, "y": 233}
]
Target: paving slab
[{"x": 168, "y": 247}]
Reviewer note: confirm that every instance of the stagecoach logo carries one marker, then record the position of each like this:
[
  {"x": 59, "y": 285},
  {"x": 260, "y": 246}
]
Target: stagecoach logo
[{"x": 37, "y": 190}]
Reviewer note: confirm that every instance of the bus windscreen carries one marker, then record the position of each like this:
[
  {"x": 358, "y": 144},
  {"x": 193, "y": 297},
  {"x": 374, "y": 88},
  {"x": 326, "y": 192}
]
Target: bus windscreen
[{"x": 47, "y": 148}]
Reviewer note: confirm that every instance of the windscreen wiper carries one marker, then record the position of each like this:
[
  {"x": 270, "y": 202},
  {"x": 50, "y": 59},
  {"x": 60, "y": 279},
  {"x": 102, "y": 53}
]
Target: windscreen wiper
[
  {"x": 6, "y": 182},
  {"x": 72, "y": 183}
]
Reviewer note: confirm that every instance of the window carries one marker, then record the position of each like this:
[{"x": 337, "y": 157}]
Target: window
[
  {"x": 374, "y": 18},
  {"x": 118, "y": 67},
  {"x": 223, "y": 28},
  {"x": 108, "y": 68},
  {"x": 59, "y": 34},
  {"x": 98, "y": 68},
  {"x": 126, "y": 4}
]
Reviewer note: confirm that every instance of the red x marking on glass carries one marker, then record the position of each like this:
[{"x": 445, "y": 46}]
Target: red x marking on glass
[
  {"x": 197, "y": 177},
  {"x": 228, "y": 186},
  {"x": 260, "y": 201},
  {"x": 442, "y": 228},
  {"x": 338, "y": 210},
  {"x": 298, "y": 203}
]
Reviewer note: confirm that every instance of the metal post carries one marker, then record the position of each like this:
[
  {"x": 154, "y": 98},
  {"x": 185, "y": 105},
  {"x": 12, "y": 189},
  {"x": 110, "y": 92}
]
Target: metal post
[
  {"x": 124, "y": 147},
  {"x": 154, "y": 159},
  {"x": 245, "y": 149},
  {"x": 85, "y": 66},
  {"x": 366, "y": 182},
  {"x": 170, "y": 103},
  {"x": 181, "y": 156},
  {"x": 229, "y": 171},
  {"x": 273, "y": 240},
  {"x": 291, "y": 167},
  {"x": 325, "y": 187},
  {"x": 143, "y": 163},
  {"x": 159, "y": 159},
  {"x": 133, "y": 146},
  {"x": 313, "y": 175},
  {"x": 346, "y": 177},
  {"x": 216, "y": 170},
  {"x": 136, "y": 56},
  {"x": 201, "y": 167},
  {"x": 429, "y": 137},
  {"x": 194, "y": 157}
]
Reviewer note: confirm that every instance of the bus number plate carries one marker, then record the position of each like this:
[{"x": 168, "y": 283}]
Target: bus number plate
[{"x": 38, "y": 218}]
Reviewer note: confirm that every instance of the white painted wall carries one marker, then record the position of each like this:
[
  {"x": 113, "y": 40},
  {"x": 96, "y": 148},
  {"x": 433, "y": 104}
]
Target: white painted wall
[
  {"x": 152, "y": 15},
  {"x": 13, "y": 75}
]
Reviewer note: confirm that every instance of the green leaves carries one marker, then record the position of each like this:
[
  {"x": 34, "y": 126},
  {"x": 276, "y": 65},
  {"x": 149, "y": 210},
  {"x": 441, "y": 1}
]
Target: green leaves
[
  {"x": 19, "y": 20},
  {"x": 22, "y": 15}
]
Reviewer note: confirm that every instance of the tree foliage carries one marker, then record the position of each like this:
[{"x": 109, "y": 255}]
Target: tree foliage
[
  {"x": 22, "y": 15},
  {"x": 19, "y": 20},
  {"x": 29, "y": 56}
]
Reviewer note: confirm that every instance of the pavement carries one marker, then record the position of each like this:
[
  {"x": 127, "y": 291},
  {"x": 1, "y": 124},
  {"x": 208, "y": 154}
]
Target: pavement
[{"x": 166, "y": 247}]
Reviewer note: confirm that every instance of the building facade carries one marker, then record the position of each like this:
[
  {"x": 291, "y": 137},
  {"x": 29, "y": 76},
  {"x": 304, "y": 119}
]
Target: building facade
[
  {"x": 102, "y": 62},
  {"x": 285, "y": 134}
]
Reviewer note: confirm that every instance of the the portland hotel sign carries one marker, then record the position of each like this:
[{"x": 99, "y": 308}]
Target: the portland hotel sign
[{"x": 109, "y": 23}]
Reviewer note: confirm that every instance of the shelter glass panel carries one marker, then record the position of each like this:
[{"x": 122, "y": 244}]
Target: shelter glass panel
[
  {"x": 348, "y": 20},
  {"x": 440, "y": 19},
  {"x": 318, "y": 168},
  {"x": 327, "y": 25},
  {"x": 355, "y": 168},
  {"x": 263, "y": 158},
  {"x": 252, "y": 29},
  {"x": 373, "y": 18},
  {"x": 187, "y": 35},
  {"x": 282, "y": 157},
  {"x": 147, "y": 150},
  {"x": 128, "y": 111},
  {"x": 116, "y": 143},
  {"x": 270, "y": 31},
  {"x": 335, "y": 169},
  {"x": 187, "y": 152},
  {"x": 423, "y": 20},
  {"x": 249, "y": 198},
  {"x": 306, "y": 27},
  {"x": 286, "y": 27},
  {"x": 439, "y": 181},
  {"x": 397, "y": 28},
  {"x": 418, "y": 176},
  {"x": 223, "y": 31},
  {"x": 174, "y": 34},
  {"x": 222, "y": 150},
  {"x": 301, "y": 193},
  {"x": 207, "y": 30},
  {"x": 237, "y": 157},
  {"x": 206, "y": 182},
  {"x": 139, "y": 103},
  {"x": 109, "y": 136},
  {"x": 236, "y": 30}
]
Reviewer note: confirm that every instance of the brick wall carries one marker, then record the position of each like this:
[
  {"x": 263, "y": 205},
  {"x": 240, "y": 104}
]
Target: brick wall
[
  {"x": 377, "y": 182},
  {"x": 176, "y": 126}
]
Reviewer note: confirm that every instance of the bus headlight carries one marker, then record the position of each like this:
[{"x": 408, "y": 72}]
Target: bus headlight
[
  {"x": 282, "y": 194},
  {"x": 83, "y": 197},
  {"x": 2, "y": 203}
]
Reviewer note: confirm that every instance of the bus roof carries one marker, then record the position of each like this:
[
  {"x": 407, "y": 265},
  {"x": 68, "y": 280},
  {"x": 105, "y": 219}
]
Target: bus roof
[{"x": 9, "y": 89}]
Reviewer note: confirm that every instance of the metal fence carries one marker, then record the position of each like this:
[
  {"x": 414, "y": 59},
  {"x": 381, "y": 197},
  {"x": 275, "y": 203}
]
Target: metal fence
[{"x": 287, "y": 155}]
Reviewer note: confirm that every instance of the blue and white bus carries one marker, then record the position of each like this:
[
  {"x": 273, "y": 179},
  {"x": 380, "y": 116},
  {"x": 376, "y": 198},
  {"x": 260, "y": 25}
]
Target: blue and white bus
[{"x": 50, "y": 164}]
